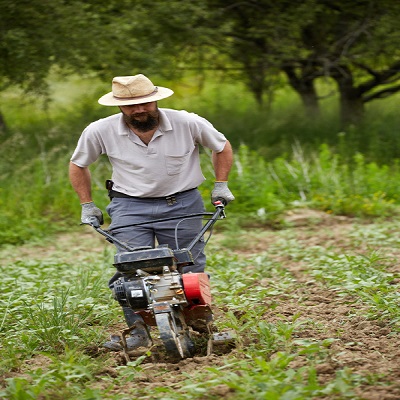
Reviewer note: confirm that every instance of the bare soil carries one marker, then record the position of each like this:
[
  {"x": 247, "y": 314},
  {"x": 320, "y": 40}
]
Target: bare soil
[{"x": 366, "y": 347}]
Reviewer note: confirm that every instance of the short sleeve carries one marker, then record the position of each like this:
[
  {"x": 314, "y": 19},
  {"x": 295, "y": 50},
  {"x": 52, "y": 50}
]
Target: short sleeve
[
  {"x": 208, "y": 136},
  {"x": 88, "y": 148}
]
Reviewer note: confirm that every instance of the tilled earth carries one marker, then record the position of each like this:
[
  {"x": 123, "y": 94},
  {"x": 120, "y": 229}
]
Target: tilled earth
[{"x": 365, "y": 346}]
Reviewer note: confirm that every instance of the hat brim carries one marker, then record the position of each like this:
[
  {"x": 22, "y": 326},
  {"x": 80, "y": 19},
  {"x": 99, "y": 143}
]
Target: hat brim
[{"x": 109, "y": 99}]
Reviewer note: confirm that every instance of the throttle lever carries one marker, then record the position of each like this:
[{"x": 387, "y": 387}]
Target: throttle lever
[{"x": 220, "y": 203}]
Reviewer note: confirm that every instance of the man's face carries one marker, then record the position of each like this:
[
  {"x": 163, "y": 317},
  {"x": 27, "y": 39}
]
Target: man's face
[{"x": 142, "y": 117}]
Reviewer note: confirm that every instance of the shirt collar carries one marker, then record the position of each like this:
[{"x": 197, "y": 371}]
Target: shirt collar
[
  {"x": 165, "y": 124},
  {"x": 123, "y": 129}
]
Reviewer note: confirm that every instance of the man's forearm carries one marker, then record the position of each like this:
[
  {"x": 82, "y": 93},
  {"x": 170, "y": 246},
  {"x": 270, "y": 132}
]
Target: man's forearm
[
  {"x": 81, "y": 182},
  {"x": 223, "y": 162}
]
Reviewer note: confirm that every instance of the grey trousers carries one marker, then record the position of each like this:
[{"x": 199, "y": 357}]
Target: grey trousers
[{"x": 176, "y": 233}]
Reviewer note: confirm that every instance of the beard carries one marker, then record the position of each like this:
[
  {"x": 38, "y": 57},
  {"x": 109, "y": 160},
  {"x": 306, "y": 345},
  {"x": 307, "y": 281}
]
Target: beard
[{"x": 142, "y": 122}]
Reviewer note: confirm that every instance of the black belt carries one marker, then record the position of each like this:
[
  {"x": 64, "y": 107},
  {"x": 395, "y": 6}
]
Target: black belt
[{"x": 171, "y": 197}]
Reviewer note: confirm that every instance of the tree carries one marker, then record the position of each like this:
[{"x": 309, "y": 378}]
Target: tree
[
  {"x": 354, "y": 43},
  {"x": 257, "y": 36},
  {"x": 36, "y": 35},
  {"x": 156, "y": 37},
  {"x": 254, "y": 41}
]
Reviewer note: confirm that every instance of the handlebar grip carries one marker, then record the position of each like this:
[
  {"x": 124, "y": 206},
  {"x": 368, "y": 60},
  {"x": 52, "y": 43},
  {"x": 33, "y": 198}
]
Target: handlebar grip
[{"x": 93, "y": 221}]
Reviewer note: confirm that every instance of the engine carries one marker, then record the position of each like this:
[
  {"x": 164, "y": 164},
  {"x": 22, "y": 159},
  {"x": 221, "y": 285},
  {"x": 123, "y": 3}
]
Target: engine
[
  {"x": 151, "y": 276},
  {"x": 142, "y": 290}
]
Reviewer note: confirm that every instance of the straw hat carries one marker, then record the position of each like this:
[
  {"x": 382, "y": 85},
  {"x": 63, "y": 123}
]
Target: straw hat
[{"x": 137, "y": 89}]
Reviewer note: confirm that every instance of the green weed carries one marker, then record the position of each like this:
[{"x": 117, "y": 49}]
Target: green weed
[
  {"x": 259, "y": 378},
  {"x": 65, "y": 377},
  {"x": 364, "y": 276}
]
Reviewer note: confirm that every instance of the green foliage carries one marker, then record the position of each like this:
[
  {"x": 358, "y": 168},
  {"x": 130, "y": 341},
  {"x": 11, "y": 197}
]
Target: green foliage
[
  {"x": 259, "y": 378},
  {"x": 273, "y": 171},
  {"x": 49, "y": 307},
  {"x": 66, "y": 376},
  {"x": 367, "y": 277},
  {"x": 320, "y": 180},
  {"x": 38, "y": 35},
  {"x": 253, "y": 44},
  {"x": 254, "y": 189},
  {"x": 327, "y": 183}
]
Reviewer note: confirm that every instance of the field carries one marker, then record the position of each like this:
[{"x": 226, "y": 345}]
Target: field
[
  {"x": 314, "y": 304},
  {"x": 304, "y": 270}
]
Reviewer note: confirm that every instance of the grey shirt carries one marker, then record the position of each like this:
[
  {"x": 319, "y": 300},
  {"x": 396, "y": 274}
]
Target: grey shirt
[{"x": 169, "y": 164}]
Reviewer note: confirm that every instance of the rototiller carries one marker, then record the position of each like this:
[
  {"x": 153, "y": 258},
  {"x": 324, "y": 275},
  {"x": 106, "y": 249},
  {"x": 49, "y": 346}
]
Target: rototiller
[{"x": 153, "y": 285}]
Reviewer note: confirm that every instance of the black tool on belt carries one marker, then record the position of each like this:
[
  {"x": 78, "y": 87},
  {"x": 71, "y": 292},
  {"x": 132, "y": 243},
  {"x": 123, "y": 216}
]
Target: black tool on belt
[{"x": 109, "y": 186}]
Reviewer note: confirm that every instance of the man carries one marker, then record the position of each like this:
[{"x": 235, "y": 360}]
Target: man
[{"x": 154, "y": 155}]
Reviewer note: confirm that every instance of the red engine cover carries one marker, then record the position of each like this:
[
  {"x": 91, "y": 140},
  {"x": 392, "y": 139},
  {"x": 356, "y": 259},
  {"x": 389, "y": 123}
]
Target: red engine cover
[{"x": 197, "y": 288}]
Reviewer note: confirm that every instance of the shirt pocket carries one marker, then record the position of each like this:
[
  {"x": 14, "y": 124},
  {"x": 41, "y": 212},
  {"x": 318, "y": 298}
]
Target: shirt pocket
[{"x": 176, "y": 163}]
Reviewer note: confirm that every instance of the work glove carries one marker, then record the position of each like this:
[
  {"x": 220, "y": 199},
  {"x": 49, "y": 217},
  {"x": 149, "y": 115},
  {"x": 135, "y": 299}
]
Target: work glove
[
  {"x": 221, "y": 192},
  {"x": 90, "y": 210}
]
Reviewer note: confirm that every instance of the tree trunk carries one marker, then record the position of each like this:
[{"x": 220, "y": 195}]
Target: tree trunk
[
  {"x": 351, "y": 102},
  {"x": 309, "y": 99},
  {"x": 351, "y": 109},
  {"x": 304, "y": 86},
  {"x": 3, "y": 125},
  {"x": 256, "y": 85}
]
